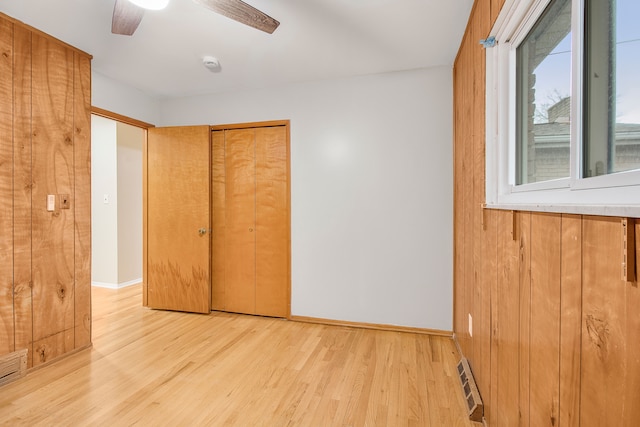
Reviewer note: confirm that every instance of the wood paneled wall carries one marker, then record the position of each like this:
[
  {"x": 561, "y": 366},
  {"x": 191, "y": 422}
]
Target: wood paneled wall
[
  {"x": 555, "y": 328},
  {"x": 45, "y": 257}
]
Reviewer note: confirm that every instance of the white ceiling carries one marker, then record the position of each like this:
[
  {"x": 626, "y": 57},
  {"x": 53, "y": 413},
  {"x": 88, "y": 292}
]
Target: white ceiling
[{"x": 316, "y": 40}]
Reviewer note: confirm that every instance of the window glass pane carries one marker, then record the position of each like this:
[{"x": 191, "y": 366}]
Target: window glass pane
[
  {"x": 543, "y": 76},
  {"x": 612, "y": 92}
]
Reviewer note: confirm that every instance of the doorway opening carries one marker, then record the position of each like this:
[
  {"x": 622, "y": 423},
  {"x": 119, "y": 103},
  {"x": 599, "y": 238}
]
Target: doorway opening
[{"x": 116, "y": 199}]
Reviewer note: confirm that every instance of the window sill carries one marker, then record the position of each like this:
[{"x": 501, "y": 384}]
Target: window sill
[{"x": 596, "y": 210}]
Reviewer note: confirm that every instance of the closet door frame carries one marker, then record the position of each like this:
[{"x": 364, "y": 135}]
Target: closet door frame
[{"x": 272, "y": 123}]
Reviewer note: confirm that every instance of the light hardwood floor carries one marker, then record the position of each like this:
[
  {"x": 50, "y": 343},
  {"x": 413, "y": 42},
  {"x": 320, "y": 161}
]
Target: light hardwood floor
[{"x": 157, "y": 368}]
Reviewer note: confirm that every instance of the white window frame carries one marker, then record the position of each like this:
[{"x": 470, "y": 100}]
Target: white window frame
[{"x": 612, "y": 195}]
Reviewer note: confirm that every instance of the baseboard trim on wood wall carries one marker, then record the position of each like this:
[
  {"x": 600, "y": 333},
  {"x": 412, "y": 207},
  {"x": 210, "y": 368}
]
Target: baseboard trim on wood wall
[
  {"x": 378, "y": 326},
  {"x": 455, "y": 340},
  {"x": 116, "y": 285}
]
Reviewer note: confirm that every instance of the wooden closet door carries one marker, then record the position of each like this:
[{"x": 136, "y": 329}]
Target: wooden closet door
[
  {"x": 240, "y": 236},
  {"x": 272, "y": 222},
  {"x": 251, "y": 219},
  {"x": 177, "y": 208},
  {"x": 218, "y": 204}
]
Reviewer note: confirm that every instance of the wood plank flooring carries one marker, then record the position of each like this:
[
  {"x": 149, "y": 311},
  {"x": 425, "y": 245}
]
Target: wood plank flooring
[{"x": 151, "y": 367}]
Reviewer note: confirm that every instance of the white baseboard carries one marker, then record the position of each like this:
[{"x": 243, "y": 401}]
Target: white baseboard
[{"x": 116, "y": 285}]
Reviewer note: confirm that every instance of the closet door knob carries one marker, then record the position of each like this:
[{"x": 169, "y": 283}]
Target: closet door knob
[
  {"x": 251, "y": 230},
  {"x": 202, "y": 231}
]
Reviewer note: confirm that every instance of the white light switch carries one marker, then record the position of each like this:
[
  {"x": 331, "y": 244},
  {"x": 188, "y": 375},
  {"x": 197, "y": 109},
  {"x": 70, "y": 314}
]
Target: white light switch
[
  {"x": 51, "y": 202},
  {"x": 106, "y": 199}
]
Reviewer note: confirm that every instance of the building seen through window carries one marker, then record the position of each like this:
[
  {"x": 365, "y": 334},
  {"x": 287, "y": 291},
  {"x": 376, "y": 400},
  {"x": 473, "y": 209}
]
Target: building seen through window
[{"x": 610, "y": 122}]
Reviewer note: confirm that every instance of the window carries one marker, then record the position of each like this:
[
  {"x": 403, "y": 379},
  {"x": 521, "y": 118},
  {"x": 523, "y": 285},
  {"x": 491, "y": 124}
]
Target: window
[{"x": 563, "y": 107}]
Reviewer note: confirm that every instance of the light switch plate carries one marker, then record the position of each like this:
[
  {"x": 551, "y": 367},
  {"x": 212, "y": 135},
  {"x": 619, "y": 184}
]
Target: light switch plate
[{"x": 51, "y": 202}]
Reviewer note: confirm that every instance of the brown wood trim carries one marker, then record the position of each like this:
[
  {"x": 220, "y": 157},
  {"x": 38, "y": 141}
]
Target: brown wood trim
[
  {"x": 467, "y": 32},
  {"x": 43, "y": 34},
  {"x": 637, "y": 245},
  {"x": 288, "y": 127},
  {"x": 455, "y": 341},
  {"x": 251, "y": 125},
  {"x": 120, "y": 118},
  {"x": 145, "y": 260},
  {"x": 377, "y": 326}
]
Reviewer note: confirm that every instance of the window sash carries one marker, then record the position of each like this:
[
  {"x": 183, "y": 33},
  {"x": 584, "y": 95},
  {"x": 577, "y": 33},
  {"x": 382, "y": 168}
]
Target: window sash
[{"x": 613, "y": 194}]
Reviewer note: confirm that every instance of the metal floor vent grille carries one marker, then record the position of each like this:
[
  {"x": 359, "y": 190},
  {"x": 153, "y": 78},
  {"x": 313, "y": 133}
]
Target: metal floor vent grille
[
  {"x": 13, "y": 366},
  {"x": 470, "y": 391}
]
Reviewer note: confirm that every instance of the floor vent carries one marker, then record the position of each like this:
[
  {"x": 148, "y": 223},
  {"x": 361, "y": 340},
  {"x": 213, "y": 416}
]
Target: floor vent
[
  {"x": 470, "y": 391},
  {"x": 13, "y": 366}
]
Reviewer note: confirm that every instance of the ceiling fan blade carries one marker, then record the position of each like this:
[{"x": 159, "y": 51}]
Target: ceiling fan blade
[
  {"x": 126, "y": 17},
  {"x": 243, "y": 13}
]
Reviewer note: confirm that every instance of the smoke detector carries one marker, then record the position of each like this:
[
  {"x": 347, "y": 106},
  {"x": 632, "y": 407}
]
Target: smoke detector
[{"x": 211, "y": 63}]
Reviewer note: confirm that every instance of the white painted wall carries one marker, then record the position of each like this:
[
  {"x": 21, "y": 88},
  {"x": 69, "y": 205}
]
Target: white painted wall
[
  {"x": 116, "y": 171},
  {"x": 125, "y": 100},
  {"x": 129, "y": 143},
  {"x": 104, "y": 217},
  {"x": 372, "y": 191}
]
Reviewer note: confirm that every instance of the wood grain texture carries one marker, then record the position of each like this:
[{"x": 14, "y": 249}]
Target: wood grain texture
[
  {"x": 243, "y": 13},
  {"x": 552, "y": 339},
  {"x": 545, "y": 319},
  {"x": 496, "y": 6},
  {"x": 44, "y": 117},
  {"x": 479, "y": 305},
  {"x": 458, "y": 228},
  {"x": 469, "y": 272},
  {"x": 156, "y": 367},
  {"x": 97, "y": 111},
  {"x": 7, "y": 322},
  {"x": 240, "y": 237},
  {"x": 482, "y": 315},
  {"x": 610, "y": 372},
  {"x": 178, "y": 205},
  {"x": 22, "y": 194},
  {"x": 272, "y": 222},
  {"x": 637, "y": 250},
  {"x": 52, "y": 162},
  {"x": 570, "y": 320},
  {"x": 218, "y": 253},
  {"x": 524, "y": 340},
  {"x": 52, "y": 347},
  {"x": 251, "y": 205},
  {"x": 145, "y": 222},
  {"x": 632, "y": 344},
  {"x": 126, "y": 17},
  {"x": 506, "y": 323},
  {"x": 82, "y": 200}
]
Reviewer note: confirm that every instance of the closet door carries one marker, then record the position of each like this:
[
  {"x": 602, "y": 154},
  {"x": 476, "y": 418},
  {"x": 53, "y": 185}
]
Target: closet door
[
  {"x": 251, "y": 220},
  {"x": 240, "y": 240},
  {"x": 272, "y": 222},
  {"x": 218, "y": 208},
  {"x": 177, "y": 234}
]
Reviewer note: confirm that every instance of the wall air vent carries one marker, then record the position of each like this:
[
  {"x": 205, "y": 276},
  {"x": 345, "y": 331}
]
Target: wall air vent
[
  {"x": 470, "y": 391},
  {"x": 13, "y": 366}
]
